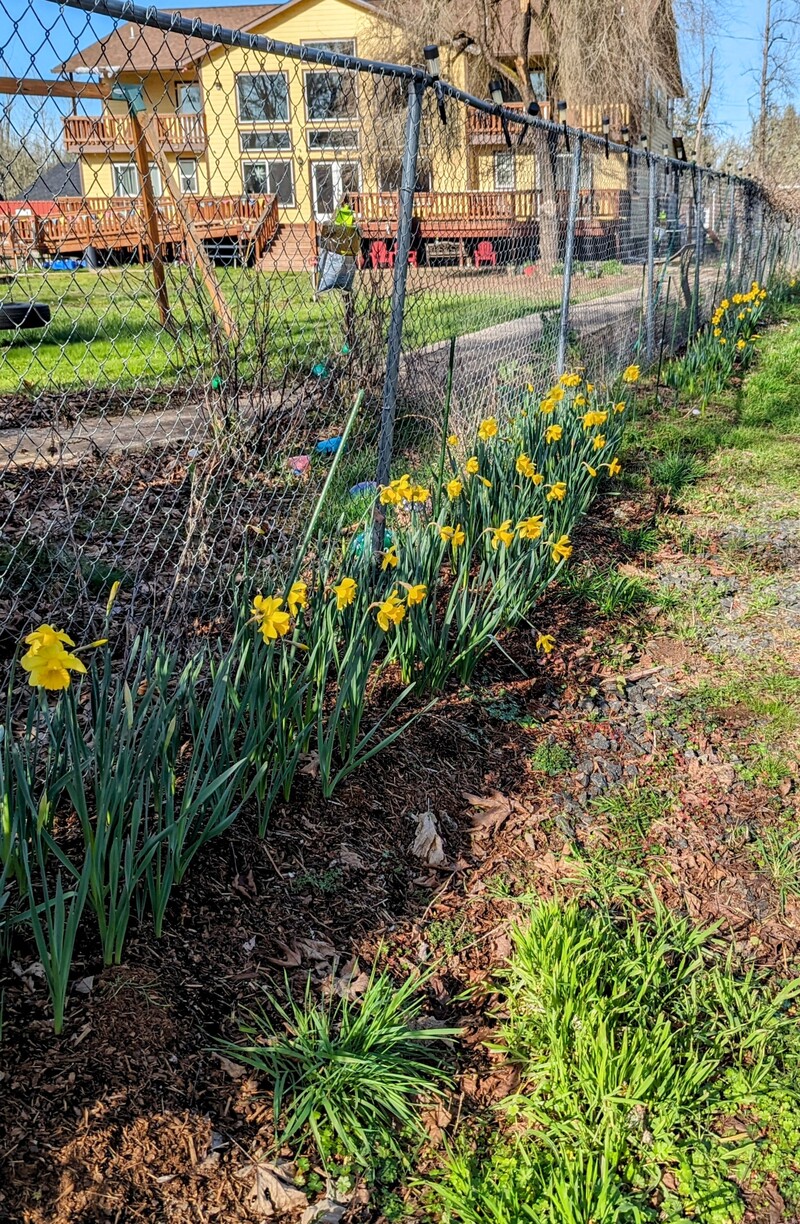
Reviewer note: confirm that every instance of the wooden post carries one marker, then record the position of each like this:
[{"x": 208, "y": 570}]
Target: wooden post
[
  {"x": 194, "y": 245},
  {"x": 151, "y": 219}
]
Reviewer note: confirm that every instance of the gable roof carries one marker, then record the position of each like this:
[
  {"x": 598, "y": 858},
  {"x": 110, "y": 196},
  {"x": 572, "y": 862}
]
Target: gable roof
[{"x": 143, "y": 49}]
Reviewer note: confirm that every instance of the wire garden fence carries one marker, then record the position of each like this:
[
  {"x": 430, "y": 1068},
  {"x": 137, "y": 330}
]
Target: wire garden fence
[{"x": 211, "y": 241}]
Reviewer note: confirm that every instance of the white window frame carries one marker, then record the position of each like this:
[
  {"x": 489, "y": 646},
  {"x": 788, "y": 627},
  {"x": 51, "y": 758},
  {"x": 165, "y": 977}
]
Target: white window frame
[
  {"x": 350, "y": 120},
  {"x": 194, "y": 177},
  {"x": 181, "y": 89},
  {"x": 272, "y": 122},
  {"x": 337, "y": 166},
  {"x": 118, "y": 168},
  {"x": 507, "y": 157},
  {"x": 267, "y": 162}
]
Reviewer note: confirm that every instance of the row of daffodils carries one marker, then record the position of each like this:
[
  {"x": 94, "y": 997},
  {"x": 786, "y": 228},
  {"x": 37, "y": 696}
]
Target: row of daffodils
[
  {"x": 722, "y": 348},
  {"x": 116, "y": 784}
]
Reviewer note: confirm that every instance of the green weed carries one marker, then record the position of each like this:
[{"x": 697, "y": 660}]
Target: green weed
[
  {"x": 551, "y": 759},
  {"x": 675, "y": 471},
  {"x": 610, "y": 593}
]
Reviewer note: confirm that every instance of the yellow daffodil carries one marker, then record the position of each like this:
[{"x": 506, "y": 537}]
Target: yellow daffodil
[
  {"x": 531, "y": 528},
  {"x": 453, "y": 535},
  {"x": 592, "y": 471},
  {"x": 556, "y": 393},
  {"x": 416, "y": 594},
  {"x": 547, "y": 405},
  {"x": 717, "y": 331},
  {"x": 47, "y": 661},
  {"x": 297, "y": 597},
  {"x": 546, "y": 643},
  {"x": 487, "y": 429},
  {"x": 558, "y": 491},
  {"x": 580, "y": 401},
  {"x": 599, "y": 442},
  {"x": 397, "y": 491},
  {"x": 591, "y": 419},
  {"x": 741, "y": 316},
  {"x": 614, "y": 467},
  {"x": 418, "y": 494},
  {"x": 570, "y": 380},
  {"x": 112, "y": 596},
  {"x": 561, "y": 549},
  {"x": 741, "y": 344},
  {"x": 502, "y": 534},
  {"x": 391, "y": 611},
  {"x": 454, "y": 489},
  {"x": 345, "y": 593},
  {"x": 390, "y": 558},
  {"x": 486, "y": 483},
  {"x": 537, "y": 478},
  {"x": 471, "y": 466},
  {"x": 724, "y": 304},
  {"x": 722, "y": 340},
  {"x": 619, "y": 407},
  {"x": 452, "y": 440},
  {"x": 270, "y": 617},
  {"x": 525, "y": 466},
  {"x": 590, "y": 387},
  {"x": 553, "y": 434},
  {"x": 631, "y": 375}
]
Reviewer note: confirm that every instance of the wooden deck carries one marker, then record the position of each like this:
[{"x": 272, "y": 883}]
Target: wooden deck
[
  {"x": 114, "y": 224},
  {"x": 483, "y": 128},
  {"x": 113, "y": 133}
]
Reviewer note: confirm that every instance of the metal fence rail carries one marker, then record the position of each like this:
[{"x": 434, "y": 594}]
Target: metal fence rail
[{"x": 232, "y": 235}]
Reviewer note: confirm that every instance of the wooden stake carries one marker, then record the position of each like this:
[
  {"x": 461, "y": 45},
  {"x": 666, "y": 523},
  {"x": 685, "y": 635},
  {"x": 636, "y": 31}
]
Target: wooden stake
[
  {"x": 151, "y": 219},
  {"x": 194, "y": 245}
]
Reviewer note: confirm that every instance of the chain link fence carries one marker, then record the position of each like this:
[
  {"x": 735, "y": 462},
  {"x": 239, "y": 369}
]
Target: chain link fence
[{"x": 210, "y": 241}]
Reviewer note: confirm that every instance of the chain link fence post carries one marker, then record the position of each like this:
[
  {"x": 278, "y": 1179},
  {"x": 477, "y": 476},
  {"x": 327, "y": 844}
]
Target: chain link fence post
[
  {"x": 416, "y": 89},
  {"x": 694, "y": 323},
  {"x": 569, "y": 253},
  {"x": 650, "y": 343}
]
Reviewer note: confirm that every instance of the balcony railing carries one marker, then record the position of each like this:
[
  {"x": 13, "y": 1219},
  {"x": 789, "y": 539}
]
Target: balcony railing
[
  {"x": 488, "y": 129},
  {"x": 113, "y": 133}
]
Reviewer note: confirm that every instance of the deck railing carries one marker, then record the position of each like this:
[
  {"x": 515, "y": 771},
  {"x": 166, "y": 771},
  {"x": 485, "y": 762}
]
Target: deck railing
[
  {"x": 112, "y": 133},
  {"x": 488, "y": 129}
]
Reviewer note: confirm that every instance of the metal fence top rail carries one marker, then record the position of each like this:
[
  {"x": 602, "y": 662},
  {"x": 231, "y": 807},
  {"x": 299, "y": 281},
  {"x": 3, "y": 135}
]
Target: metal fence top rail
[{"x": 148, "y": 15}]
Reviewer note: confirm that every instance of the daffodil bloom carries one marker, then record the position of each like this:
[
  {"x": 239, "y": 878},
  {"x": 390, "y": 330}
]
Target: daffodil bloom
[
  {"x": 487, "y": 429},
  {"x": 454, "y": 489},
  {"x": 112, "y": 595},
  {"x": 741, "y": 316},
  {"x": 391, "y": 611},
  {"x": 620, "y": 407},
  {"x": 297, "y": 597},
  {"x": 537, "y": 478},
  {"x": 631, "y": 375},
  {"x": 570, "y": 380},
  {"x": 737, "y": 297},
  {"x": 452, "y": 440},
  {"x": 529, "y": 388},
  {"x": 416, "y": 594},
  {"x": 486, "y": 483},
  {"x": 531, "y": 528},
  {"x": 471, "y": 466},
  {"x": 553, "y": 434},
  {"x": 502, "y": 534},
  {"x": 561, "y": 549},
  {"x": 270, "y": 617},
  {"x": 390, "y": 558},
  {"x": 592, "y": 471},
  {"x": 723, "y": 340},
  {"x": 590, "y": 419},
  {"x": 547, "y": 406},
  {"x": 556, "y": 393},
  {"x": 580, "y": 401},
  {"x": 599, "y": 442},
  {"x": 717, "y": 331},
  {"x": 418, "y": 494},
  {"x": 558, "y": 491},
  {"x": 741, "y": 344},
  {"x": 545, "y": 643},
  {"x": 724, "y": 304},
  {"x": 614, "y": 467},
  {"x": 525, "y": 466},
  {"x": 345, "y": 593},
  {"x": 388, "y": 496},
  {"x": 47, "y": 661},
  {"x": 453, "y": 535},
  {"x": 590, "y": 387}
]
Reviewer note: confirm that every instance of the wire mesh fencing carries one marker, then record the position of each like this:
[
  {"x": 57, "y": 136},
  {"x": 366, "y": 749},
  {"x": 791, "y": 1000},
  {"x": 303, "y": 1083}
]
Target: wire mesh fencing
[{"x": 211, "y": 241}]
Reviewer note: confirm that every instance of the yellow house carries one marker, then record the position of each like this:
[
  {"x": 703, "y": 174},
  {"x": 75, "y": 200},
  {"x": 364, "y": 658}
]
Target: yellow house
[{"x": 241, "y": 132}]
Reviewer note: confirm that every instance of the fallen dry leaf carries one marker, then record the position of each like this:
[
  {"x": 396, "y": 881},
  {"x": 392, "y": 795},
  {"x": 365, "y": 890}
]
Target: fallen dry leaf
[
  {"x": 273, "y": 1189},
  {"x": 427, "y": 843},
  {"x": 234, "y": 1070},
  {"x": 351, "y": 859},
  {"x": 494, "y": 811}
]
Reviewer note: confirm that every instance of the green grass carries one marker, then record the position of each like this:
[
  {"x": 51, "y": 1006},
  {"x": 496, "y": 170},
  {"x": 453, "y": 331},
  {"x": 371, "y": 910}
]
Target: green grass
[
  {"x": 105, "y": 330},
  {"x": 635, "y": 1045},
  {"x": 551, "y": 759}
]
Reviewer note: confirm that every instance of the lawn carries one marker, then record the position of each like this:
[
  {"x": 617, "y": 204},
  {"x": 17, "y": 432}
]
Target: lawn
[{"x": 105, "y": 331}]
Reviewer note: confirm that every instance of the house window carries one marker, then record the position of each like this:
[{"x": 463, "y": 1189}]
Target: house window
[
  {"x": 564, "y": 173},
  {"x": 330, "y": 95},
  {"x": 263, "y": 97},
  {"x": 538, "y": 79},
  {"x": 261, "y": 141},
  {"x": 505, "y": 171},
  {"x": 336, "y": 46},
  {"x": 330, "y": 183},
  {"x": 270, "y": 178},
  {"x": 333, "y": 138},
  {"x": 155, "y": 180},
  {"x": 190, "y": 99},
  {"x": 126, "y": 179},
  {"x": 390, "y": 171},
  {"x": 187, "y": 175}
]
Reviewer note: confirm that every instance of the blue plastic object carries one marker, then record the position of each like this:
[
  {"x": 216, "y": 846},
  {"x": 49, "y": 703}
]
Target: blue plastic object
[
  {"x": 320, "y": 370},
  {"x": 357, "y": 543},
  {"x": 364, "y": 486},
  {"x": 328, "y": 446}
]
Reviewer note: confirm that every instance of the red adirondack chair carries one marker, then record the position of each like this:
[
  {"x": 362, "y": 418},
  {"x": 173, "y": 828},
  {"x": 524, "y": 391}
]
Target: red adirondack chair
[
  {"x": 485, "y": 253},
  {"x": 379, "y": 255}
]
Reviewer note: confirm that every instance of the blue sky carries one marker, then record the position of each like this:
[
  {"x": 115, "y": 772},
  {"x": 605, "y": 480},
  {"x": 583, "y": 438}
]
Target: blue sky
[{"x": 43, "y": 33}]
